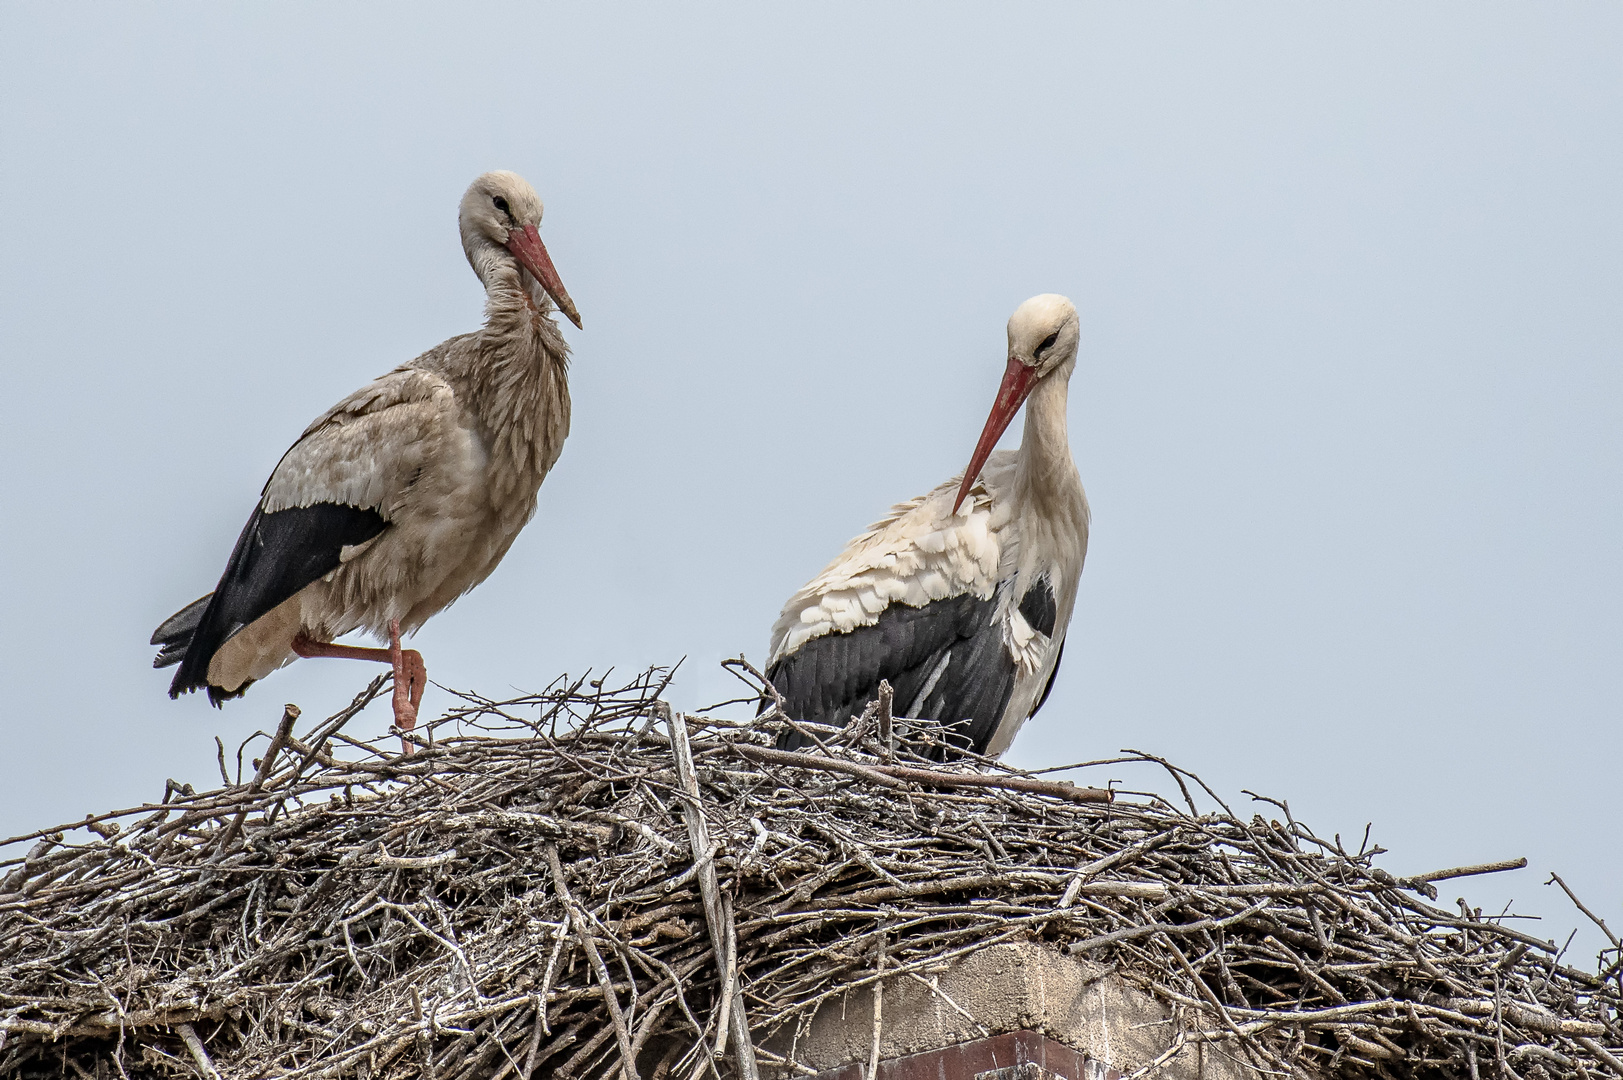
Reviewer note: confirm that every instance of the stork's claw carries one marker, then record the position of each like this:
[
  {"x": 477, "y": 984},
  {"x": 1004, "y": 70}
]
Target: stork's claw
[
  {"x": 410, "y": 673},
  {"x": 410, "y": 679}
]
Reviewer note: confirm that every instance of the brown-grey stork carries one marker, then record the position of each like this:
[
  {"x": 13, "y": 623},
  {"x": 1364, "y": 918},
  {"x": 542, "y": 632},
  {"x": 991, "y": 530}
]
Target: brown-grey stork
[
  {"x": 407, "y": 493},
  {"x": 961, "y": 597}
]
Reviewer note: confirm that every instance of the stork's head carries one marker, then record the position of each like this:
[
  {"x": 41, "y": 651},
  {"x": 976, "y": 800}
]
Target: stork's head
[
  {"x": 1043, "y": 334},
  {"x": 501, "y": 217}
]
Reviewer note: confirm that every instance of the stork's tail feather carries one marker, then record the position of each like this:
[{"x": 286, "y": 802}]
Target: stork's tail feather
[
  {"x": 171, "y": 653},
  {"x": 218, "y": 697},
  {"x": 174, "y": 639},
  {"x": 174, "y": 634}
]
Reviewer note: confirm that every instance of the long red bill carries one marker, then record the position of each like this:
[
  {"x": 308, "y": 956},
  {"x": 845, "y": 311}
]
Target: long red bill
[
  {"x": 1017, "y": 382},
  {"x": 527, "y": 248}
]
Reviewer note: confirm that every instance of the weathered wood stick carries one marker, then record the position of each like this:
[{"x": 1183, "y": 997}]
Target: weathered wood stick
[
  {"x": 897, "y": 775},
  {"x": 199, "y": 1054},
  {"x": 816, "y": 763},
  {"x": 887, "y": 723},
  {"x": 284, "y": 731},
  {"x": 1471, "y": 871},
  {"x": 1522, "y": 1016},
  {"x": 424, "y": 862},
  {"x": 709, "y": 890},
  {"x": 878, "y": 1009},
  {"x": 628, "y": 1066}
]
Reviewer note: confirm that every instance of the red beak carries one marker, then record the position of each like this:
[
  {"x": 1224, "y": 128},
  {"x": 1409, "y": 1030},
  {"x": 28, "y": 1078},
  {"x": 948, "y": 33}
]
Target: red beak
[
  {"x": 1017, "y": 383},
  {"x": 527, "y": 248}
]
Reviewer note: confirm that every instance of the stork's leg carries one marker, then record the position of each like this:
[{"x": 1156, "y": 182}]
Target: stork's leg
[
  {"x": 410, "y": 673},
  {"x": 410, "y": 677}
]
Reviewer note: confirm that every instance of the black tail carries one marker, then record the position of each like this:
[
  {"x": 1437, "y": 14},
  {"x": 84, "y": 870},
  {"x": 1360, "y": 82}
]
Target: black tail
[
  {"x": 174, "y": 635},
  {"x": 278, "y": 553},
  {"x": 174, "y": 639}
]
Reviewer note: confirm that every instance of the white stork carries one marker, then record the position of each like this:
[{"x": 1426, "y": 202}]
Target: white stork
[
  {"x": 407, "y": 493},
  {"x": 960, "y": 598}
]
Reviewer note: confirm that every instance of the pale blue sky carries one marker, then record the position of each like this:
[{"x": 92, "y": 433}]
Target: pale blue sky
[{"x": 1347, "y": 407}]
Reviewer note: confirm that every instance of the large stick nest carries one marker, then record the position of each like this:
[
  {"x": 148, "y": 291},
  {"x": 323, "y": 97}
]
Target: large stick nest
[{"x": 521, "y": 897}]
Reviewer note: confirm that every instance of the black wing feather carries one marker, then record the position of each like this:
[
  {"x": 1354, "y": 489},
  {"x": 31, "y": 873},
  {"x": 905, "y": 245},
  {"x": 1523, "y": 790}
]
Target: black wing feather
[
  {"x": 278, "y": 553},
  {"x": 832, "y": 677},
  {"x": 1039, "y": 608},
  {"x": 1041, "y": 611}
]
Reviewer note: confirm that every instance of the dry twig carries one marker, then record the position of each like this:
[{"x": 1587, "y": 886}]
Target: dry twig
[{"x": 559, "y": 884}]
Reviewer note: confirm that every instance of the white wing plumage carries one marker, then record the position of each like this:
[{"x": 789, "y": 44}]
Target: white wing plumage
[{"x": 918, "y": 553}]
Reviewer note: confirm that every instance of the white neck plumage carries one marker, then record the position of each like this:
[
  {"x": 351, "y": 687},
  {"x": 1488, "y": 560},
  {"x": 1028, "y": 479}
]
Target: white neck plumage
[{"x": 1046, "y": 480}]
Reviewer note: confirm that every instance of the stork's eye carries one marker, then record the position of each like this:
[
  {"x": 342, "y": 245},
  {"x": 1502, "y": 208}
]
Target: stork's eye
[
  {"x": 501, "y": 204},
  {"x": 1048, "y": 343}
]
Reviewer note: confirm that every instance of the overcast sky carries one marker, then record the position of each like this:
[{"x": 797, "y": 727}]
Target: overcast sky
[{"x": 1347, "y": 406}]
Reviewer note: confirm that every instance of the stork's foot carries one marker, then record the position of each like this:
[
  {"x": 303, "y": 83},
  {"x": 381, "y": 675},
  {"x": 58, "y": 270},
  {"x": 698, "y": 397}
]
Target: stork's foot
[
  {"x": 410, "y": 673},
  {"x": 410, "y": 679}
]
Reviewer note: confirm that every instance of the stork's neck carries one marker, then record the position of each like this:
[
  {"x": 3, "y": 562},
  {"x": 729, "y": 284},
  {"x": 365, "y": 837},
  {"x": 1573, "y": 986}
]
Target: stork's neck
[
  {"x": 518, "y": 388},
  {"x": 518, "y": 312},
  {"x": 1046, "y": 479}
]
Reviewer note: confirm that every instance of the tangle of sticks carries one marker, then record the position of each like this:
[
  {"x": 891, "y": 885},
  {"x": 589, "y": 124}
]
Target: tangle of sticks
[{"x": 582, "y": 883}]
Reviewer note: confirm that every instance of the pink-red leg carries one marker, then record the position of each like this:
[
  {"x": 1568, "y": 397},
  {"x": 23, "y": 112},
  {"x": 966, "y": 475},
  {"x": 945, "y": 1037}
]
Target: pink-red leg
[
  {"x": 408, "y": 690},
  {"x": 410, "y": 673}
]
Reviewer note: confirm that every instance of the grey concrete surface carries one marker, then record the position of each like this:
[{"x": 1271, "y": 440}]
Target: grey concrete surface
[{"x": 1010, "y": 987}]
